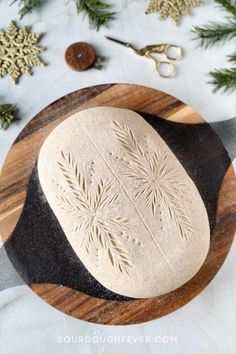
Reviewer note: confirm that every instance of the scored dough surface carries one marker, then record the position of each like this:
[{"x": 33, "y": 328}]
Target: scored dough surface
[{"x": 125, "y": 203}]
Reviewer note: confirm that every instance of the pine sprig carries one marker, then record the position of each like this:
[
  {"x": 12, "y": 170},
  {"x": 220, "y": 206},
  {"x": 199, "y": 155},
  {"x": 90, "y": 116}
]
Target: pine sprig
[
  {"x": 232, "y": 57},
  {"x": 224, "y": 79},
  {"x": 215, "y": 33},
  {"x": 229, "y": 6},
  {"x": 97, "y": 12},
  {"x": 27, "y": 6},
  {"x": 7, "y": 115}
]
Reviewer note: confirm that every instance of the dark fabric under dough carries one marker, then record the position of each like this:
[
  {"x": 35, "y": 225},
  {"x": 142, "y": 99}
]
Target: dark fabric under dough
[
  {"x": 41, "y": 253},
  {"x": 44, "y": 254},
  {"x": 201, "y": 152}
]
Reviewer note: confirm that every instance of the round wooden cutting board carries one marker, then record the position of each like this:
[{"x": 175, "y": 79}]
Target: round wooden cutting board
[{"x": 16, "y": 172}]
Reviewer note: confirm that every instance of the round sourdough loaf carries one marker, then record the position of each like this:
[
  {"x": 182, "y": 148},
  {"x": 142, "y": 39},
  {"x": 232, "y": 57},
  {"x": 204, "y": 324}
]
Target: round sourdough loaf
[{"x": 127, "y": 206}]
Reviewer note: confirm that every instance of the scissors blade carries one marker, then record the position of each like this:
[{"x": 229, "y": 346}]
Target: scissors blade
[{"x": 118, "y": 41}]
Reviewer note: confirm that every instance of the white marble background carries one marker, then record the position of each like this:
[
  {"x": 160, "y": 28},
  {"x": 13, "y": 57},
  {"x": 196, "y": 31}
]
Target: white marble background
[{"x": 207, "y": 324}]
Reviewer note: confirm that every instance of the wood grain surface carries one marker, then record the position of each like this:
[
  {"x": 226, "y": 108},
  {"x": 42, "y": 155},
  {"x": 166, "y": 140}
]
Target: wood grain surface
[{"x": 16, "y": 172}]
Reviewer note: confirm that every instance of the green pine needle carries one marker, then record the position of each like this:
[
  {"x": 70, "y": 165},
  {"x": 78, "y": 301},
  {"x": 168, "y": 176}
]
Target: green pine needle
[
  {"x": 27, "y": 6},
  {"x": 97, "y": 12},
  {"x": 229, "y": 6},
  {"x": 215, "y": 33},
  {"x": 7, "y": 115},
  {"x": 224, "y": 79},
  {"x": 232, "y": 57}
]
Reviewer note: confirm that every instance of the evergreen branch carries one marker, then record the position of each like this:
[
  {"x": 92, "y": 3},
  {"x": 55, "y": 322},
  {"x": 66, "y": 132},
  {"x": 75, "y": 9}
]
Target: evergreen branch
[
  {"x": 97, "y": 12},
  {"x": 27, "y": 6},
  {"x": 7, "y": 115},
  {"x": 232, "y": 57},
  {"x": 224, "y": 79},
  {"x": 215, "y": 33},
  {"x": 228, "y": 5}
]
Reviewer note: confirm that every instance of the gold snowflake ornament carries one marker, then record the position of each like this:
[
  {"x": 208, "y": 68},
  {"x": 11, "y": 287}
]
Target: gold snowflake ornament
[
  {"x": 172, "y": 8},
  {"x": 19, "y": 51}
]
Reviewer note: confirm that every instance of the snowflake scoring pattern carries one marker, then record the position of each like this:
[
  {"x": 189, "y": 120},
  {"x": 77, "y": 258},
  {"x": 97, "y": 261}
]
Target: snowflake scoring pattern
[
  {"x": 96, "y": 214},
  {"x": 19, "y": 51},
  {"x": 156, "y": 179}
]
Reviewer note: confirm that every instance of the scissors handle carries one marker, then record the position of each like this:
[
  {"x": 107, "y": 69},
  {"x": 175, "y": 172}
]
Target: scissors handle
[
  {"x": 164, "y": 50},
  {"x": 161, "y": 66},
  {"x": 176, "y": 49}
]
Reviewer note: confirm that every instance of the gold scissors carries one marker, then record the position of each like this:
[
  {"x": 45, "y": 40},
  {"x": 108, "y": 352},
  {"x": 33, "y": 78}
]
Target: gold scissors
[{"x": 160, "y": 49}]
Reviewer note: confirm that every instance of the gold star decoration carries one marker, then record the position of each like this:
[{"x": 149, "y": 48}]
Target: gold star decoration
[{"x": 19, "y": 51}]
